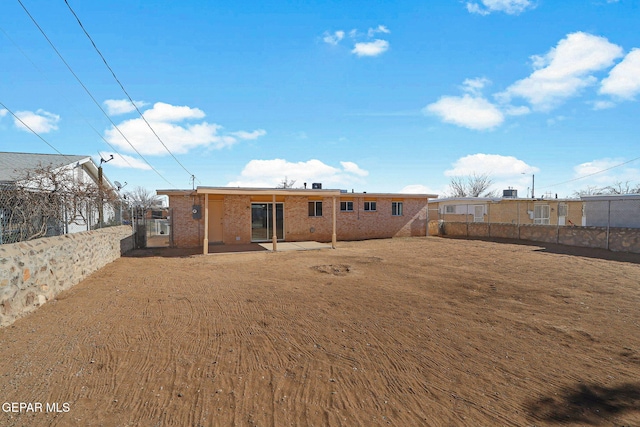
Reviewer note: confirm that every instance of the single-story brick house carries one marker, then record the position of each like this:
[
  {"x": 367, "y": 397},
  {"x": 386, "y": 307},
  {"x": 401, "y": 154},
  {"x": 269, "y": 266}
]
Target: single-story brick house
[{"x": 243, "y": 215}]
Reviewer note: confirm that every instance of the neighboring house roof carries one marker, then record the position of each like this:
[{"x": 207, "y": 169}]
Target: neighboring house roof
[
  {"x": 14, "y": 165},
  {"x": 612, "y": 197},
  {"x": 467, "y": 200}
]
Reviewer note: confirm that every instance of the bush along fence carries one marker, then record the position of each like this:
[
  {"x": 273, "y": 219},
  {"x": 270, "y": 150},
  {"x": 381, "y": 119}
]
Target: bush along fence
[
  {"x": 34, "y": 272},
  {"x": 611, "y": 238}
]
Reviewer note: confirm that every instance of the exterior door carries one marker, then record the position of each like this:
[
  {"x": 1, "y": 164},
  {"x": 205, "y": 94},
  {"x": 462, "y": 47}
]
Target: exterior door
[
  {"x": 478, "y": 213},
  {"x": 262, "y": 221},
  {"x": 215, "y": 221}
]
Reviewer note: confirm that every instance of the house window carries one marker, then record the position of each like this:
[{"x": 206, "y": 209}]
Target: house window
[
  {"x": 370, "y": 206},
  {"x": 346, "y": 206},
  {"x": 315, "y": 208},
  {"x": 541, "y": 214},
  {"x": 450, "y": 209},
  {"x": 563, "y": 209},
  {"x": 396, "y": 208}
]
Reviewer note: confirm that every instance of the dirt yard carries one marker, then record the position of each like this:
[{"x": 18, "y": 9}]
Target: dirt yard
[{"x": 403, "y": 332}]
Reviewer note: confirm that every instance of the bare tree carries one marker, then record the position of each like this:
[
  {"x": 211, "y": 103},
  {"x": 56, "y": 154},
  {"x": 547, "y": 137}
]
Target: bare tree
[
  {"x": 286, "y": 183},
  {"x": 618, "y": 187},
  {"x": 471, "y": 186},
  {"x": 142, "y": 199},
  {"x": 46, "y": 201}
]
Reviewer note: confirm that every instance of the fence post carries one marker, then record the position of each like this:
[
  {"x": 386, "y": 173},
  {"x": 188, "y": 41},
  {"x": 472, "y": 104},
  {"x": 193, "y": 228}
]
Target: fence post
[{"x": 608, "y": 222}]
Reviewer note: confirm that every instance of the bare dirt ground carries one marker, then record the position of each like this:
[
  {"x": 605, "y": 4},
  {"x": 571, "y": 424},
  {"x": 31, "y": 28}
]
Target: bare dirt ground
[{"x": 402, "y": 332}]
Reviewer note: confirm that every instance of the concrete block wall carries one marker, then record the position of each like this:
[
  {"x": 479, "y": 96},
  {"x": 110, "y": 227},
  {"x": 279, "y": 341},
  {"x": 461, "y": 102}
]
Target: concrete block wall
[
  {"x": 34, "y": 272},
  {"x": 617, "y": 239}
]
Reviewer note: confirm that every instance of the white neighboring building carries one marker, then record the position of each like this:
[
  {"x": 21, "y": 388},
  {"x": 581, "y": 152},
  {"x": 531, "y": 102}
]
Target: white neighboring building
[{"x": 82, "y": 169}]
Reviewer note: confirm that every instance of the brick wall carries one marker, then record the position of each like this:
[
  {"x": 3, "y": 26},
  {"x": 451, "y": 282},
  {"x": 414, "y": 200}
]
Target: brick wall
[
  {"x": 298, "y": 225},
  {"x": 187, "y": 232}
]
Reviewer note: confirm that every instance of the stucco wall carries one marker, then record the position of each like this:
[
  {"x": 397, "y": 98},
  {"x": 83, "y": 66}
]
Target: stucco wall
[{"x": 33, "y": 272}]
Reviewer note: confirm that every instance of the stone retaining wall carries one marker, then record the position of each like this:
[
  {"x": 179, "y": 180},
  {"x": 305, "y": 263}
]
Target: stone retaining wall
[
  {"x": 34, "y": 272},
  {"x": 617, "y": 239}
]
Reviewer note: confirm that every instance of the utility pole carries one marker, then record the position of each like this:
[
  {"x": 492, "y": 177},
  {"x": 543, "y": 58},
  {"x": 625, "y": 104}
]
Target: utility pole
[{"x": 100, "y": 192}]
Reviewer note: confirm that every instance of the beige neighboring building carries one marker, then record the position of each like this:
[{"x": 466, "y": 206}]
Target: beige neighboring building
[
  {"x": 227, "y": 215},
  {"x": 564, "y": 212}
]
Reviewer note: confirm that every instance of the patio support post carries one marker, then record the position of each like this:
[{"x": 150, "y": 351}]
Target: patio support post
[
  {"x": 333, "y": 235},
  {"x": 275, "y": 233},
  {"x": 205, "y": 244}
]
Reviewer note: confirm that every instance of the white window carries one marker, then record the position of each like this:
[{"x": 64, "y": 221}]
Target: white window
[
  {"x": 315, "y": 208},
  {"x": 563, "y": 209},
  {"x": 346, "y": 206},
  {"x": 450, "y": 209},
  {"x": 370, "y": 206},
  {"x": 541, "y": 214},
  {"x": 396, "y": 208}
]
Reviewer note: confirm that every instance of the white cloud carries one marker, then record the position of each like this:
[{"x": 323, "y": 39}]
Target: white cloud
[
  {"x": 379, "y": 29},
  {"x": 603, "y": 105},
  {"x": 162, "y": 112},
  {"x": 351, "y": 167},
  {"x": 3, "y": 112},
  {"x": 475, "y": 86},
  {"x": 40, "y": 122},
  {"x": 374, "y": 48},
  {"x": 494, "y": 165},
  {"x": 124, "y": 161},
  {"x": 624, "y": 79},
  {"x": 178, "y": 137},
  {"x": 242, "y": 134},
  {"x": 270, "y": 173},
  {"x": 122, "y": 106},
  {"x": 361, "y": 48},
  {"x": 333, "y": 38},
  {"x": 466, "y": 111},
  {"x": 564, "y": 71},
  {"x": 511, "y": 7},
  {"x": 418, "y": 189},
  {"x": 517, "y": 111},
  {"x": 606, "y": 171}
]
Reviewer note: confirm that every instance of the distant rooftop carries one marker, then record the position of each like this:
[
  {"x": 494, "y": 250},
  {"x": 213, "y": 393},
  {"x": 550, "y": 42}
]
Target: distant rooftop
[{"x": 14, "y": 165}]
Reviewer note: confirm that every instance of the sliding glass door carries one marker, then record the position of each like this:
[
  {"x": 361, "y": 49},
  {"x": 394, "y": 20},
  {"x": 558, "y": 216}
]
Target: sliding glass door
[{"x": 262, "y": 221}]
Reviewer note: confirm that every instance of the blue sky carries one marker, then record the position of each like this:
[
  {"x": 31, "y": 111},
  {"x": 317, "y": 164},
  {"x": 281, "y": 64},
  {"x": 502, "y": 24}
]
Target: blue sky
[{"x": 370, "y": 96}]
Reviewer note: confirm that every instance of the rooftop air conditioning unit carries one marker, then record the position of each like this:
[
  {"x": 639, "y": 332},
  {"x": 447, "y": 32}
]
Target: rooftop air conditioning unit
[{"x": 316, "y": 186}]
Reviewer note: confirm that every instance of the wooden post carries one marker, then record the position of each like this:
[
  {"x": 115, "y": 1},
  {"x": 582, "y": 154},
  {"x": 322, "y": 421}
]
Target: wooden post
[
  {"x": 333, "y": 235},
  {"x": 273, "y": 221},
  {"x": 205, "y": 243}
]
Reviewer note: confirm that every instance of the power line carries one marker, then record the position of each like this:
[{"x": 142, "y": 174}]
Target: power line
[
  {"x": 593, "y": 173},
  {"x": 89, "y": 93},
  {"x": 68, "y": 101},
  {"x": 122, "y": 87},
  {"x": 33, "y": 131}
]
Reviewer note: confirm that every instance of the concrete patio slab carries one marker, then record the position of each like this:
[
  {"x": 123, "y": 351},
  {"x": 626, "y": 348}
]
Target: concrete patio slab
[{"x": 297, "y": 246}]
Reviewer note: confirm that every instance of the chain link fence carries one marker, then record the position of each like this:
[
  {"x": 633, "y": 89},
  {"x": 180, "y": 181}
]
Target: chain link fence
[
  {"x": 152, "y": 227},
  {"x": 27, "y": 214}
]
